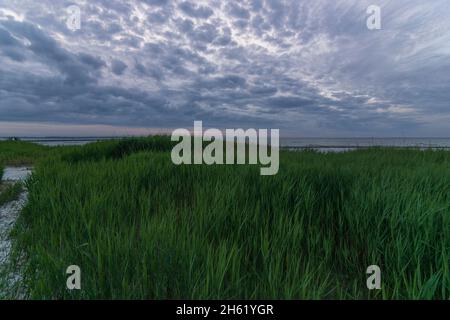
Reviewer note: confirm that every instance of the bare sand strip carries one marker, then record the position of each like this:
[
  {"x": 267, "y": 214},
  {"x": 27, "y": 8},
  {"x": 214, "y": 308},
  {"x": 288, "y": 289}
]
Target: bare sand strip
[{"x": 9, "y": 213}]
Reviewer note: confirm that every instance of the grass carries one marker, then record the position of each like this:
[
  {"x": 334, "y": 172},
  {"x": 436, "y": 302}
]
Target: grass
[
  {"x": 10, "y": 192},
  {"x": 140, "y": 227},
  {"x": 18, "y": 153}
]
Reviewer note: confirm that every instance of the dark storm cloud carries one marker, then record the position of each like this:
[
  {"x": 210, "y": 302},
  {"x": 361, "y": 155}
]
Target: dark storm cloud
[
  {"x": 237, "y": 11},
  {"x": 74, "y": 69},
  {"x": 309, "y": 67},
  {"x": 157, "y": 2},
  {"x": 289, "y": 102},
  {"x": 94, "y": 62},
  {"x": 229, "y": 82},
  {"x": 6, "y": 39},
  {"x": 118, "y": 67},
  {"x": 13, "y": 54},
  {"x": 195, "y": 11},
  {"x": 151, "y": 71}
]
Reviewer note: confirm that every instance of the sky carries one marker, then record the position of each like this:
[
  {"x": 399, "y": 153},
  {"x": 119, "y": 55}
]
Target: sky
[{"x": 307, "y": 67}]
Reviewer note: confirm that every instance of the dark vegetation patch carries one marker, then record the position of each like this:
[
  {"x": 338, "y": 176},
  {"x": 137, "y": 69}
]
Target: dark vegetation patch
[
  {"x": 118, "y": 149},
  {"x": 10, "y": 192}
]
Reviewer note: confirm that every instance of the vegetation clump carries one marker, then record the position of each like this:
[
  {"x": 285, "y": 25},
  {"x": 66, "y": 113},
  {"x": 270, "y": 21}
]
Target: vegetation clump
[{"x": 140, "y": 227}]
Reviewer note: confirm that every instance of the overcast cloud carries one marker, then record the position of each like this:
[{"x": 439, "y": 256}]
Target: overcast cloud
[{"x": 307, "y": 67}]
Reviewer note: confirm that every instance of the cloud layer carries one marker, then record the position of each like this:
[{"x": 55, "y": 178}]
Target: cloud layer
[{"x": 307, "y": 67}]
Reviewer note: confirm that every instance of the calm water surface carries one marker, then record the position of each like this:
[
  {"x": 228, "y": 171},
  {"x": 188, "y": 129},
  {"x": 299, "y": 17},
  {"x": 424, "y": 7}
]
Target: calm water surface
[{"x": 322, "y": 144}]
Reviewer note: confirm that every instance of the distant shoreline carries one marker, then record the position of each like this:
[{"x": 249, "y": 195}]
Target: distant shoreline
[{"x": 326, "y": 144}]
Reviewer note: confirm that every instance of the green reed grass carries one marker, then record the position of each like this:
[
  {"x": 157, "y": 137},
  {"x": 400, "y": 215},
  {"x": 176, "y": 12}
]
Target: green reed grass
[
  {"x": 16, "y": 153},
  {"x": 142, "y": 228},
  {"x": 10, "y": 192}
]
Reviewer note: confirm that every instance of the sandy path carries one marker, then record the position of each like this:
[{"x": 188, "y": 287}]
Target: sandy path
[{"x": 8, "y": 216}]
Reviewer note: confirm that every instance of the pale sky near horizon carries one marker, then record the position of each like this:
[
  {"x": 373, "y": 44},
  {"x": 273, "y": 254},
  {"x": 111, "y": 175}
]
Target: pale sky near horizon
[{"x": 309, "y": 68}]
